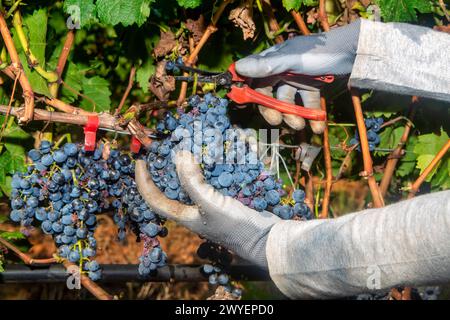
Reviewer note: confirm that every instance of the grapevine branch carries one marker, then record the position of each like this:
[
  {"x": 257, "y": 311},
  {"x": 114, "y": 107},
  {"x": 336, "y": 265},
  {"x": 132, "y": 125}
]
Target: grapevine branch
[
  {"x": 68, "y": 43},
  {"x": 300, "y": 22},
  {"x": 326, "y": 142},
  {"x": 67, "y": 108},
  {"x": 18, "y": 69},
  {"x": 24, "y": 257},
  {"x": 90, "y": 285},
  {"x": 368, "y": 169},
  {"x": 127, "y": 91},
  {"x": 50, "y": 76},
  {"x": 323, "y": 17},
  {"x": 328, "y": 170},
  {"x": 416, "y": 185},
  {"x": 209, "y": 31},
  {"x": 87, "y": 283},
  {"x": 106, "y": 120},
  {"x": 9, "y": 109},
  {"x": 273, "y": 24},
  {"x": 395, "y": 155}
]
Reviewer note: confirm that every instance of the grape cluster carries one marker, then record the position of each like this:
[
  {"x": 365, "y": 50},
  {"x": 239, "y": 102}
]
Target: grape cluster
[
  {"x": 230, "y": 164},
  {"x": 172, "y": 65},
  {"x": 65, "y": 188},
  {"x": 373, "y": 126},
  {"x": 216, "y": 272},
  {"x": 228, "y": 157}
]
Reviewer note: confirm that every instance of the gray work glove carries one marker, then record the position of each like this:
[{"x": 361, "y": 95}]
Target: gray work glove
[
  {"x": 406, "y": 243},
  {"x": 214, "y": 216},
  {"x": 330, "y": 53}
]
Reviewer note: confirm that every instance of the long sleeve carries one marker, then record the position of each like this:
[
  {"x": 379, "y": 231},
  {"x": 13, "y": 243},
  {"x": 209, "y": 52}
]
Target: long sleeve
[
  {"x": 407, "y": 243},
  {"x": 404, "y": 59}
]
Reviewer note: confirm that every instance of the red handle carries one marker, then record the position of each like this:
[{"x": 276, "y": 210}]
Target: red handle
[
  {"x": 135, "y": 145},
  {"x": 90, "y": 133},
  {"x": 244, "y": 94}
]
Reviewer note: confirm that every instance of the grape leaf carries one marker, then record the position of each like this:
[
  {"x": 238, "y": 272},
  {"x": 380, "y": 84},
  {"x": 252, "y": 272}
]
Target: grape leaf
[
  {"x": 16, "y": 140},
  {"x": 125, "y": 12},
  {"x": 189, "y": 3},
  {"x": 35, "y": 28},
  {"x": 403, "y": 10},
  {"x": 389, "y": 139},
  {"x": 144, "y": 73},
  {"x": 82, "y": 12},
  {"x": 6, "y": 185},
  {"x": 408, "y": 161},
  {"x": 441, "y": 179},
  {"x": 427, "y": 147},
  {"x": 12, "y": 163},
  {"x": 73, "y": 79},
  {"x": 295, "y": 4},
  {"x": 12, "y": 235},
  {"x": 98, "y": 94}
]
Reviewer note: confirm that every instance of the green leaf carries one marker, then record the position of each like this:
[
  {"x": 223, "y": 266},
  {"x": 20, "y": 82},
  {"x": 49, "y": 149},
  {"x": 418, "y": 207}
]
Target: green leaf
[
  {"x": 125, "y": 12},
  {"x": 16, "y": 140},
  {"x": 427, "y": 147},
  {"x": 403, "y": 10},
  {"x": 1, "y": 266},
  {"x": 82, "y": 12},
  {"x": 296, "y": 4},
  {"x": 6, "y": 187},
  {"x": 11, "y": 163},
  {"x": 35, "y": 28},
  {"x": 389, "y": 139},
  {"x": 408, "y": 161},
  {"x": 97, "y": 90},
  {"x": 189, "y": 3},
  {"x": 144, "y": 73},
  {"x": 74, "y": 79},
  {"x": 441, "y": 179},
  {"x": 13, "y": 235}
]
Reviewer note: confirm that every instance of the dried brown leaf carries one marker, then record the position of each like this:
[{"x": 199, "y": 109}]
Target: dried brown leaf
[
  {"x": 443, "y": 28},
  {"x": 197, "y": 28},
  {"x": 312, "y": 16},
  {"x": 166, "y": 44},
  {"x": 221, "y": 294},
  {"x": 161, "y": 84},
  {"x": 242, "y": 17}
]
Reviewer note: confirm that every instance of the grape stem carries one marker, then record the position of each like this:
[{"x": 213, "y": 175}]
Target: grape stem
[{"x": 395, "y": 155}]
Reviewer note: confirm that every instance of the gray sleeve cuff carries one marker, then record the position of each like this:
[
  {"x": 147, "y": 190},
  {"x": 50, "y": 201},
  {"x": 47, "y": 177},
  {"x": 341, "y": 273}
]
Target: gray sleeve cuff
[
  {"x": 406, "y": 243},
  {"x": 404, "y": 59}
]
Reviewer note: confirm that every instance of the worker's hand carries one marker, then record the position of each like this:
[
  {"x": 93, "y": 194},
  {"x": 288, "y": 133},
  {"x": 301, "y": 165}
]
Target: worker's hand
[
  {"x": 218, "y": 218},
  {"x": 330, "y": 53}
]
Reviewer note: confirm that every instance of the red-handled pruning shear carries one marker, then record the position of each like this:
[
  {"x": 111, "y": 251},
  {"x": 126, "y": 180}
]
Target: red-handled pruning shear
[{"x": 241, "y": 93}]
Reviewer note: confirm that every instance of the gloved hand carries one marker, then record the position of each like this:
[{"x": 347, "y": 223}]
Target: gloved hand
[
  {"x": 401, "y": 244},
  {"x": 330, "y": 53},
  {"x": 214, "y": 215}
]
